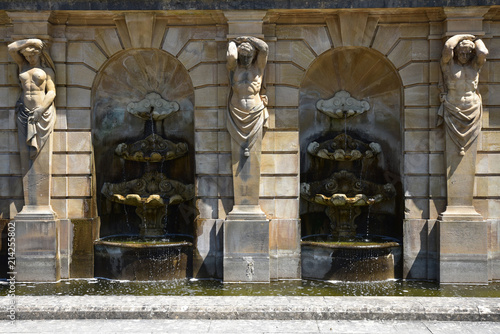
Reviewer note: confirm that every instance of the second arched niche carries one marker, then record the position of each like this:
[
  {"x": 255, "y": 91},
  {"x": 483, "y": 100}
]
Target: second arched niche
[{"x": 367, "y": 76}]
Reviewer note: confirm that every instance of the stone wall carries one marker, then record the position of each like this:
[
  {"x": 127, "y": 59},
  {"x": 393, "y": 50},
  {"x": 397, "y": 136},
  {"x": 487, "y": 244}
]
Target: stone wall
[{"x": 410, "y": 39}]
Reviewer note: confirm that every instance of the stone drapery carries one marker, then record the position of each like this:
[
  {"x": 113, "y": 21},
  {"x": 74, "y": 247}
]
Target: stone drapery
[
  {"x": 463, "y": 125},
  {"x": 243, "y": 125},
  {"x": 38, "y": 132}
]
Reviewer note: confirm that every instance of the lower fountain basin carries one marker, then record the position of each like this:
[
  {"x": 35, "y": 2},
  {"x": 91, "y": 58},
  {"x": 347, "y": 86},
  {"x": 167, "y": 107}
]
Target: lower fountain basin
[
  {"x": 136, "y": 258},
  {"x": 357, "y": 259}
]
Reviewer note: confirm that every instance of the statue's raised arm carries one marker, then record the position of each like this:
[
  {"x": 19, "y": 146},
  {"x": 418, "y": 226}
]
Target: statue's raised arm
[
  {"x": 262, "y": 50},
  {"x": 481, "y": 52},
  {"x": 17, "y": 48},
  {"x": 232, "y": 56},
  {"x": 450, "y": 45}
]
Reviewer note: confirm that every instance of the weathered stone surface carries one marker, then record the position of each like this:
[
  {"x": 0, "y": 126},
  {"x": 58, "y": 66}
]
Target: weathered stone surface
[
  {"x": 246, "y": 251},
  {"x": 296, "y": 50},
  {"x": 415, "y": 248},
  {"x": 284, "y": 249},
  {"x": 315, "y": 37},
  {"x": 85, "y": 52},
  {"x": 258, "y": 308},
  {"x": 208, "y": 249},
  {"x": 78, "y": 119},
  {"x": 80, "y": 75},
  {"x": 463, "y": 251},
  {"x": 37, "y": 258},
  {"x": 416, "y": 163},
  {"x": 108, "y": 40},
  {"x": 84, "y": 232},
  {"x": 303, "y": 68},
  {"x": 385, "y": 38}
]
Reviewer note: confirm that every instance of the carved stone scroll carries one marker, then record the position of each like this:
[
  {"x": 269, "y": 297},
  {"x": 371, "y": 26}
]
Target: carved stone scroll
[
  {"x": 153, "y": 106},
  {"x": 342, "y": 105},
  {"x": 152, "y": 149}
]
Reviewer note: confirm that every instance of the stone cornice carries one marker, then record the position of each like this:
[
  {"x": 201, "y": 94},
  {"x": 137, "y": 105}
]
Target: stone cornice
[{"x": 230, "y": 4}]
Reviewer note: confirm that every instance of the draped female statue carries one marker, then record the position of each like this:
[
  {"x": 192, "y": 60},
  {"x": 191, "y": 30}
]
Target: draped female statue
[{"x": 36, "y": 117}]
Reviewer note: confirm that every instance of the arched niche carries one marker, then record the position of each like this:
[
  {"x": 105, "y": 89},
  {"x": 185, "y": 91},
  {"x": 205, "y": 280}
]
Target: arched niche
[
  {"x": 128, "y": 77},
  {"x": 367, "y": 75}
]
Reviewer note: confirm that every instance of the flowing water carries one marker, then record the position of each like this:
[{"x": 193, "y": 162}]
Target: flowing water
[{"x": 104, "y": 287}]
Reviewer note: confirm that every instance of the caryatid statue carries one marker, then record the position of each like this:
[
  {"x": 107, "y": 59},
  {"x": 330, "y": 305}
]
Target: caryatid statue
[
  {"x": 247, "y": 113},
  {"x": 36, "y": 117},
  {"x": 461, "y": 110}
]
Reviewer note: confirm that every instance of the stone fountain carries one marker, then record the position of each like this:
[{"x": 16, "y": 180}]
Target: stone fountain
[
  {"x": 345, "y": 253},
  {"x": 151, "y": 255},
  {"x": 151, "y": 195}
]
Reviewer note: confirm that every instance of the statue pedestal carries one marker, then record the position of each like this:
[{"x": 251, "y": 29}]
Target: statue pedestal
[
  {"x": 37, "y": 226},
  {"x": 246, "y": 246},
  {"x": 246, "y": 229},
  {"x": 463, "y": 233},
  {"x": 463, "y": 250},
  {"x": 37, "y": 246}
]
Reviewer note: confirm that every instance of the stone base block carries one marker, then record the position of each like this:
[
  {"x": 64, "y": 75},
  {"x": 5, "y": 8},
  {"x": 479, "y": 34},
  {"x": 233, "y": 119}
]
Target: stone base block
[
  {"x": 463, "y": 252},
  {"x": 246, "y": 251},
  {"x": 37, "y": 250},
  {"x": 82, "y": 234},
  {"x": 460, "y": 214},
  {"x": 208, "y": 248},
  {"x": 420, "y": 249},
  {"x": 284, "y": 249},
  {"x": 494, "y": 248}
]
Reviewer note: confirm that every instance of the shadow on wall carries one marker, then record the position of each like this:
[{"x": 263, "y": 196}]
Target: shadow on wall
[{"x": 422, "y": 264}]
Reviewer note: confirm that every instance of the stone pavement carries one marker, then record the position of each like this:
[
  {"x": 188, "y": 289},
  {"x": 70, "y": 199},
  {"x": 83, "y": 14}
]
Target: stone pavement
[
  {"x": 183, "y": 326},
  {"x": 253, "y": 308},
  {"x": 244, "y": 314}
]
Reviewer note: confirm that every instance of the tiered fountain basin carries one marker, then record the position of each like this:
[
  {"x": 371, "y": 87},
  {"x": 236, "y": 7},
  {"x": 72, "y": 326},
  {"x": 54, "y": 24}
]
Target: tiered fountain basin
[
  {"x": 373, "y": 258},
  {"x": 138, "y": 258},
  {"x": 150, "y": 255},
  {"x": 344, "y": 255}
]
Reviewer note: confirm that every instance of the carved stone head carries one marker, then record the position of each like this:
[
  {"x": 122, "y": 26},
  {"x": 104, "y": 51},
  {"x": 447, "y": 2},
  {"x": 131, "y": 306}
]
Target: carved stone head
[
  {"x": 246, "y": 53},
  {"x": 32, "y": 54},
  {"x": 465, "y": 51}
]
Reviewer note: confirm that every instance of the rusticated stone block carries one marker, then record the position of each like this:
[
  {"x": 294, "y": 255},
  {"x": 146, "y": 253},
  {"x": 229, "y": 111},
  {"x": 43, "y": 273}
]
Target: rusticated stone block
[
  {"x": 208, "y": 248},
  {"x": 246, "y": 251},
  {"x": 284, "y": 249},
  {"x": 463, "y": 252},
  {"x": 37, "y": 253},
  {"x": 83, "y": 234}
]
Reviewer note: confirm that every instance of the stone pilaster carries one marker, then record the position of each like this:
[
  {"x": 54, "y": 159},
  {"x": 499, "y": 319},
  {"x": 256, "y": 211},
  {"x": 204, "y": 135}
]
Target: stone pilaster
[
  {"x": 463, "y": 233},
  {"x": 37, "y": 226},
  {"x": 246, "y": 228}
]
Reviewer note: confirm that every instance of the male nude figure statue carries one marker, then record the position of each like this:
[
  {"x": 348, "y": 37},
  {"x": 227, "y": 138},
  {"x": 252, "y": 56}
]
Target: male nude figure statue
[
  {"x": 461, "y": 110},
  {"x": 462, "y": 58},
  {"x": 246, "y": 61},
  {"x": 247, "y": 113}
]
